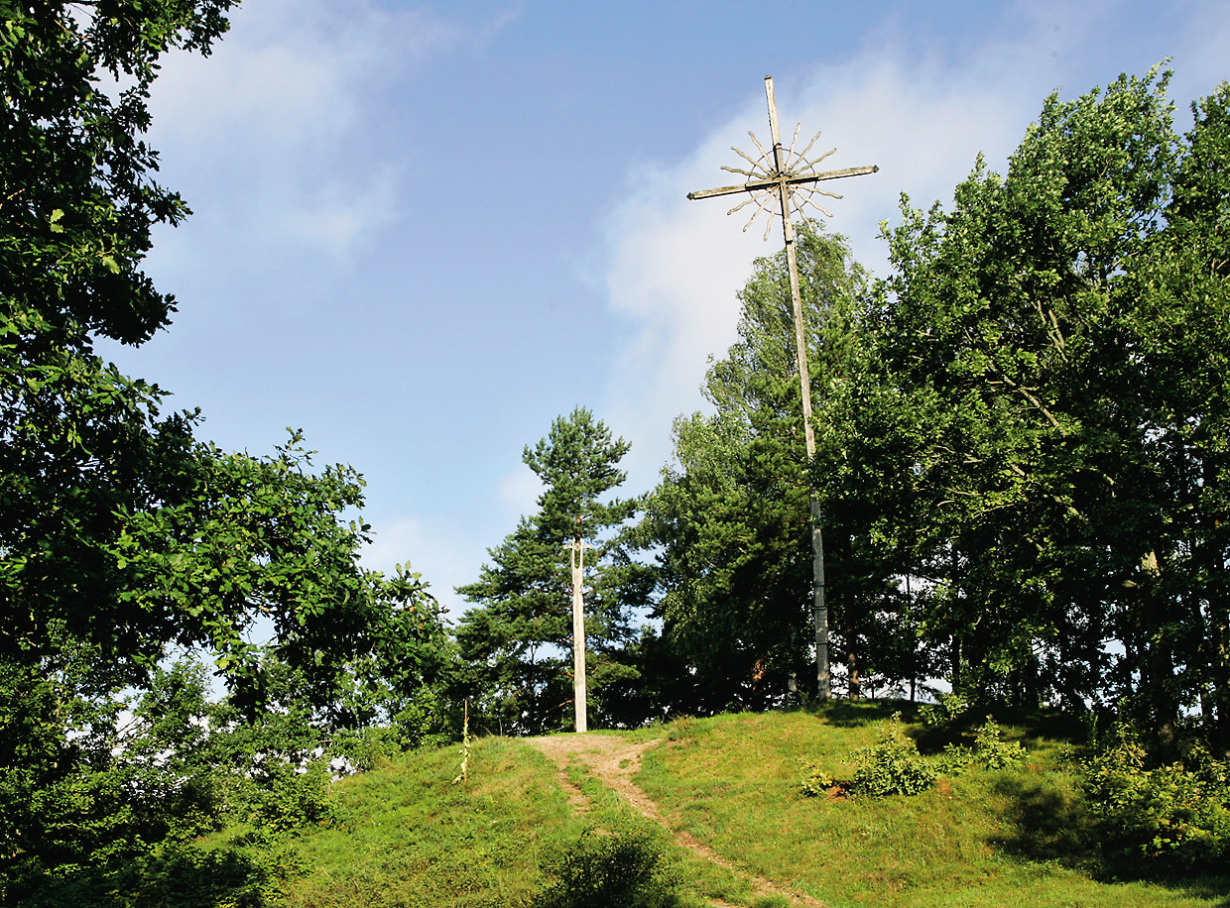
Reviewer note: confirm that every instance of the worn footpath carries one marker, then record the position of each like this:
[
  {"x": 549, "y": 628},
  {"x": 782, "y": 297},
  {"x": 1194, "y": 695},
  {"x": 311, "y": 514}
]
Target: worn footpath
[{"x": 615, "y": 762}]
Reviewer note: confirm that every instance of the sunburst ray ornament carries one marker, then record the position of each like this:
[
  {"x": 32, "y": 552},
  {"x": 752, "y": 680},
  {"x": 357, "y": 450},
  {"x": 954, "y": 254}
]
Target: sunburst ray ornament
[
  {"x": 798, "y": 172},
  {"x": 781, "y": 183}
]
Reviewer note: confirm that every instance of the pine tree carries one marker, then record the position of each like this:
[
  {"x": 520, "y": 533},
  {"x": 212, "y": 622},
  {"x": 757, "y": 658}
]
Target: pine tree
[{"x": 518, "y": 639}]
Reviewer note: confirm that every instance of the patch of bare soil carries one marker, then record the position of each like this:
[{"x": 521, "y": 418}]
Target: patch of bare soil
[{"x": 615, "y": 762}]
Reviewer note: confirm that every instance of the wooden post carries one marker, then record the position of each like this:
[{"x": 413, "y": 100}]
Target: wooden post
[{"x": 576, "y": 551}]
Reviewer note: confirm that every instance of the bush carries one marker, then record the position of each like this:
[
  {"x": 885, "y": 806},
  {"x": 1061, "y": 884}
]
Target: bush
[
  {"x": 990, "y": 751},
  {"x": 624, "y": 870},
  {"x": 993, "y": 752},
  {"x": 291, "y": 797},
  {"x": 1168, "y": 820},
  {"x": 946, "y": 708},
  {"x": 816, "y": 781},
  {"x": 891, "y": 766},
  {"x": 171, "y": 874}
]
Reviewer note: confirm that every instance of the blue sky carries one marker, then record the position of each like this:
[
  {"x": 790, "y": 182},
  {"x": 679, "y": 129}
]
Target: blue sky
[{"x": 423, "y": 231}]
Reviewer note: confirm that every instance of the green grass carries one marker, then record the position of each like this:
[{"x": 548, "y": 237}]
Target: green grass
[
  {"x": 699, "y": 879},
  {"x": 1008, "y": 838},
  {"x": 405, "y": 836}
]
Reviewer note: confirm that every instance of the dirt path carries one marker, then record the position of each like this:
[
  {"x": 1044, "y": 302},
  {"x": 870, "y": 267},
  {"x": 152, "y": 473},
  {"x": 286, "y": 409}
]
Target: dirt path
[{"x": 615, "y": 762}]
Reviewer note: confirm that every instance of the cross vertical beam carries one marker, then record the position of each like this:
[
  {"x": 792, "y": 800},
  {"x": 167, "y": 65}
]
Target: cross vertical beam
[
  {"x": 780, "y": 173},
  {"x": 820, "y": 609}
]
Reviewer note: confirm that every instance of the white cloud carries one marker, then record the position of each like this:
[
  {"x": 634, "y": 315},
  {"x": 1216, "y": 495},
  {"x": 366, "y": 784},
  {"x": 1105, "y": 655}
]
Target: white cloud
[
  {"x": 291, "y": 72},
  {"x": 674, "y": 270},
  {"x": 279, "y": 139}
]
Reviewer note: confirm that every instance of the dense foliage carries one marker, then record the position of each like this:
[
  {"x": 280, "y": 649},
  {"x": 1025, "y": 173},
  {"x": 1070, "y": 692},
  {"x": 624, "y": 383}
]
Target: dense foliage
[
  {"x": 626, "y": 869},
  {"x": 1157, "y": 817},
  {"x": 126, "y": 542},
  {"x": 1062, "y": 332},
  {"x": 729, "y": 522},
  {"x": 891, "y": 766},
  {"x": 1021, "y": 439}
]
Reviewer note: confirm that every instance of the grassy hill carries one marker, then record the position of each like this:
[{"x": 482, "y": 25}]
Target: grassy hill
[{"x": 407, "y": 835}]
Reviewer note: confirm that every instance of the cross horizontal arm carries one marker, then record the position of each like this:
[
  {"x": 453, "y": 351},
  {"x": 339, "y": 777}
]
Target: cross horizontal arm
[{"x": 757, "y": 185}]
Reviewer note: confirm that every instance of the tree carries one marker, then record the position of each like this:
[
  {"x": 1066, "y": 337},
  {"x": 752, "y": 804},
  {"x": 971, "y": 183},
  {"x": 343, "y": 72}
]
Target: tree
[
  {"x": 119, "y": 531},
  {"x": 79, "y": 442},
  {"x": 1001, "y": 310},
  {"x": 517, "y": 638},
  {"x": 123, "y": 539},
  {"x": 1067, "y": 322},
  {"x": 731, "y": 520},
  {"x": 1180, "y": 324},
  {"x": 354, "y": 667},
  {"x": 733, "y": 567}
]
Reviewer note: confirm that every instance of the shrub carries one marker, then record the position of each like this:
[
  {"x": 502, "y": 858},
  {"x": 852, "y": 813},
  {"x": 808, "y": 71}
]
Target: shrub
[
  {"x": 946, "y": 708},
  {"x": 816, "y": 781},
  {"x": 1171, "y": 819},
  {"x": 292, "y": 797},
  {"x": 624, "y": 870},
  {"x": 170, "y": 874},
  {"x": 990, "y": 751},
  {"x": 891, "y": 766}
]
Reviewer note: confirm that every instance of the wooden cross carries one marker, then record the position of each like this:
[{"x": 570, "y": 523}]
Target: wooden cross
[{"x": 780, "y": 181}]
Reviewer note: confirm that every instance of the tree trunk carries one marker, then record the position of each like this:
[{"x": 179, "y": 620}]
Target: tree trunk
[{"x": 856, "y": 690}]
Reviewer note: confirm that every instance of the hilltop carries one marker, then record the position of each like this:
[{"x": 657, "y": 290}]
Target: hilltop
[{"x": 717, "y": 805}]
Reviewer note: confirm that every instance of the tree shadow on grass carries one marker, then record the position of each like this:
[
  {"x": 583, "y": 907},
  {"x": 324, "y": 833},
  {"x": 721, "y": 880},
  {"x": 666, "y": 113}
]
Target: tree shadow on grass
[
  {"x": 1051, "y": 825},
  {"x": 857, "y": 713},
  {"x": 1031, "y": 727},
  {"x": 182, "y": 876}
]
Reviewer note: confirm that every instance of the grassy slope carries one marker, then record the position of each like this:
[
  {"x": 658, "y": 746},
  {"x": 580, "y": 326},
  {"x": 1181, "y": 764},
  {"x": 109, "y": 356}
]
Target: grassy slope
[
  {"x": 409, "y": 837},
  {"x": 983, "y": 839}
]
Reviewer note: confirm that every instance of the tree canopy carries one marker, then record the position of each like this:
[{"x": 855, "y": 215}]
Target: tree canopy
[
  {"x": 730, "y": 519},
  {"x": 1021, "y": 437},
  {"x": 1067, "y": 322},
  {"x": 124, "y": 540}
]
